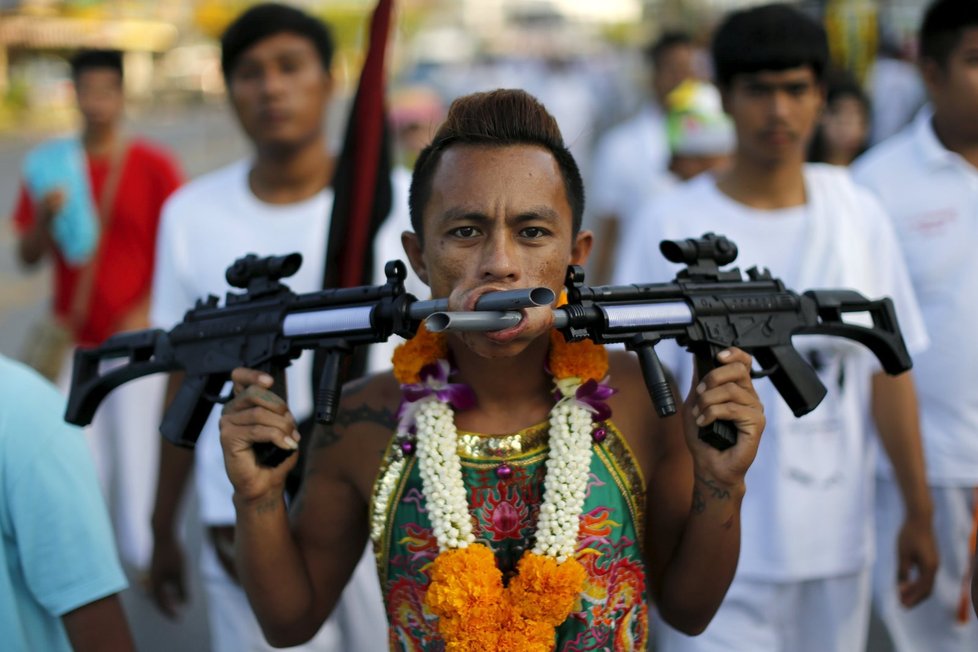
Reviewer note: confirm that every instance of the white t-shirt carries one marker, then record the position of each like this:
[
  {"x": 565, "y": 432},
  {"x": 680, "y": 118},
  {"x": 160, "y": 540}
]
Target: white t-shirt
[
  {"x": 931, "y": 195},
  {"x": 206, "y": 225},
  {"x": 807, "y": 511},
  {"x": 627, "y": 159}
]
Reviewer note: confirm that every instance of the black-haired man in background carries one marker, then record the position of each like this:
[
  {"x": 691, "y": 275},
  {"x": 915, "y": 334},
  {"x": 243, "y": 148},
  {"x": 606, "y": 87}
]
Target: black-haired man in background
[
  {"x": 927, "y": 178},
  {"x": 802, "y": 583},
  {"x": 276, "y": 62}
]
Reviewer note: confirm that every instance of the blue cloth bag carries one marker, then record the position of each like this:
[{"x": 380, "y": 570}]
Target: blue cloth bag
[{"x": 60, "y": 164}]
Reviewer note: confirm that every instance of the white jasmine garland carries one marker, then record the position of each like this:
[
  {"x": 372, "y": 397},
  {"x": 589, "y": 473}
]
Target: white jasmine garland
[
  {"x": 565, "y": 484},
  {"x": 379, "y": 516}
]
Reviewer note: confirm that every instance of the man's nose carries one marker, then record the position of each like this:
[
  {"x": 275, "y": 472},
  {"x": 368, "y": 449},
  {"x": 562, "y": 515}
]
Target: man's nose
[
  {"x": 272, "y": 83},
  {"x": 499, "y": 258},
  {"x": 780, "y": 106}
]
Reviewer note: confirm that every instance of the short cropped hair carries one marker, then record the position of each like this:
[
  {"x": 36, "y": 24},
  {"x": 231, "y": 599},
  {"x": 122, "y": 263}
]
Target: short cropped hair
[
  {"x": 666, "y": 41},
  {"x": 944, "y": 23},
  {"x": 497, "y": 118},
  {"x": 96, "y": 59},
  {"x": 771, "y": 37},
  {"x": 264, "y": 20}
]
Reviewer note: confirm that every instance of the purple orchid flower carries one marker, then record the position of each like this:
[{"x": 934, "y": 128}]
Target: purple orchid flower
[
  {"x": 594, "y": 396},
  {"x": 434, "y": 381}
]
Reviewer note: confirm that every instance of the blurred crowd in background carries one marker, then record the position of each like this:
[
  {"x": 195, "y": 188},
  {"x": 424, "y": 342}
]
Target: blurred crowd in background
[{"x": 627, "y": 80}]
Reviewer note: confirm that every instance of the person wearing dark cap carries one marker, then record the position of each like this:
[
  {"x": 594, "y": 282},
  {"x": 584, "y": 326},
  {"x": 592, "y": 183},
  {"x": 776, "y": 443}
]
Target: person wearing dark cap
[
  {"x": 276, "y": 61},
  {"x": 803, "y": 578}
]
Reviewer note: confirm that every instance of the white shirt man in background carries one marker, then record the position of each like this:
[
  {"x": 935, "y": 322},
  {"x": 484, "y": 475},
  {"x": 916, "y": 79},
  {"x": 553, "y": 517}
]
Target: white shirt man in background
[
  {"x": 927, "y": 179},
  {"x": 276, "y": 62},
  {"x": 802, "y": 583}
]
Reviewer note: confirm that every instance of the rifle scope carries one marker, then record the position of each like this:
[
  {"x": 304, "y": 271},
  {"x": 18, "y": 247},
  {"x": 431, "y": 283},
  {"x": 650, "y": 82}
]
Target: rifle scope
[
  {"x": 693, "y": 250},
  {"x": 250, "y": 267}
]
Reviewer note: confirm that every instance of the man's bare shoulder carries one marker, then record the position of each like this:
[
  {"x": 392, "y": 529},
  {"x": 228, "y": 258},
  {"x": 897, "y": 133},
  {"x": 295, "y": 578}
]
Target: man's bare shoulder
[
  {"x": 632, "y": 409},
  {"x": 625, "y": 375},
  {"x": 354, "y": 444},
  {"x": 368, "y": 406}
]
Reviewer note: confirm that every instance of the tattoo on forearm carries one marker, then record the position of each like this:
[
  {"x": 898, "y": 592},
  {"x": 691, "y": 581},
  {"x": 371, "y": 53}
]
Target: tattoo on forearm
[
  {"x": 715, "y": 491},
  {"x": 328, "y": 435},
  {"x": 266, "y": 506}
]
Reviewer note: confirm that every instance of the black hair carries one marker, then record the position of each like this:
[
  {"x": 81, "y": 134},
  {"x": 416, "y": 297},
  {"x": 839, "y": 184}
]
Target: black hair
[
  {"x": 94, "y": 59},
  {"x": 666, "y": 41},
  {"x": 770, "y": 37},
  {"x": 268, "y": 19},
  {"x": 944, "y": 23},
  {"x": 496, "y": 119}
]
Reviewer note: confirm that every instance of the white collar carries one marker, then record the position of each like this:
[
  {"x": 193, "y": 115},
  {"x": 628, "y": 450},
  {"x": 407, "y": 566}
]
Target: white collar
[{"x": 933, "y": 153}]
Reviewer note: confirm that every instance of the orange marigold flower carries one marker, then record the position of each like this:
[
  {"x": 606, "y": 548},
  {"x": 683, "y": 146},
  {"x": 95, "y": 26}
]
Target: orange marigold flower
[
  {"x": 544, "y": 589},
  {"x": 584, "y": 359},
  {"x": 525, "y": 635},
  {"x": 464, "y": 580},
  {"x": 471, "y": 633},
  {"x": 411, "y": 356}
]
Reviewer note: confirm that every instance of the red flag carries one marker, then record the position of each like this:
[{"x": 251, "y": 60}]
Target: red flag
[{"x": 361, "y": 184}]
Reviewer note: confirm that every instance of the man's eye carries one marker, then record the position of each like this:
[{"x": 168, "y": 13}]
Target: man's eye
[
  {"x": 290, "y": 65},
  {"x": 247, "y": 73},
  {"x": 533, "y": 232},
  {"x": 465, "y": 232}
]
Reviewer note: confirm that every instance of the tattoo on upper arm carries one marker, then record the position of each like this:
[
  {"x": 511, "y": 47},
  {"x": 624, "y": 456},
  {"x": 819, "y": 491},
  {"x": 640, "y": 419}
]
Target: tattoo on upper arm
[
  {"x": 324, "y": 436},
  {"x": 699, "y": 504}
]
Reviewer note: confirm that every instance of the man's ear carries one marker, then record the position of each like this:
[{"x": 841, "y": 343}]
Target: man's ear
[
  {"x": 412, "y": 247},
  {"x": 582, "y": 247}
]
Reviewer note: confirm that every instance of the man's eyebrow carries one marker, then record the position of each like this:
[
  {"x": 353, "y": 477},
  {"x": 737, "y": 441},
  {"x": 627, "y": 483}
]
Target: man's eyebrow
[
  {"x": 460, "y": 213},
  {"x": 291, "y": 50},
  {"x": 541, "y": 212}
]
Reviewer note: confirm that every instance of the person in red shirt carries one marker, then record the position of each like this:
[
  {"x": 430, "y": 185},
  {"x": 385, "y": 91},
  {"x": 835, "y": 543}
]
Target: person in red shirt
[
  {"x": 147, "y": 174},
  {"x": 128, "y": 180}
]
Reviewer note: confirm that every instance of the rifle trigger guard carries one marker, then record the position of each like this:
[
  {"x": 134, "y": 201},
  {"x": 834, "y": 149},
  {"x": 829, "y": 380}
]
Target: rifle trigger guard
[
  {"x": 763, "y": 373},
  {"x": 219, "y": 399}
]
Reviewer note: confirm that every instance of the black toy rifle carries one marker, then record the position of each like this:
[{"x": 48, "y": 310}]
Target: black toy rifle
[
  {"x": 707, "y": 309},
  {"x": 265, "y": 328}
]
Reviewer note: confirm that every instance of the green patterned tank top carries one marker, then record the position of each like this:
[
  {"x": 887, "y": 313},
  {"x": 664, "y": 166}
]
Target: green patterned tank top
[{"x": 504, "y": 481}]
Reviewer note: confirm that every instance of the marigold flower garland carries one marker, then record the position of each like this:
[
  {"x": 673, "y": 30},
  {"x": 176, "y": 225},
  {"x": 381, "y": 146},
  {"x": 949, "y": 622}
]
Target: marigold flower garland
[{"x": 466, "y": 592}]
